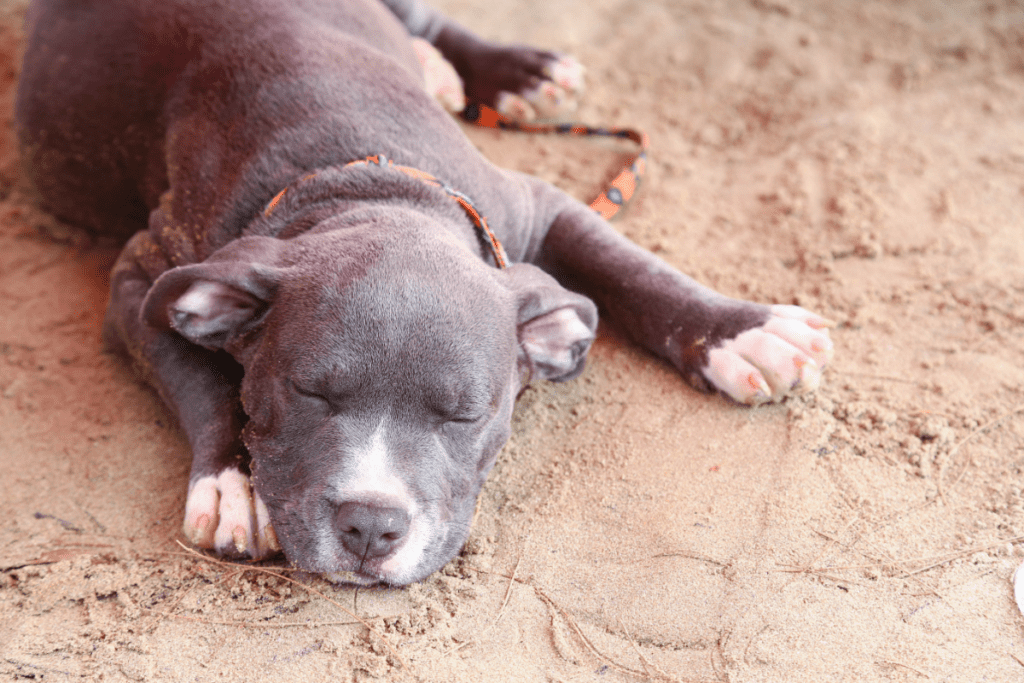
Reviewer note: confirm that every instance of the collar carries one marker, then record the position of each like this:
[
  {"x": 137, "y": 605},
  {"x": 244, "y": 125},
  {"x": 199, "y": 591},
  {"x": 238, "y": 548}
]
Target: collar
[{"x": 483, "y": 229}]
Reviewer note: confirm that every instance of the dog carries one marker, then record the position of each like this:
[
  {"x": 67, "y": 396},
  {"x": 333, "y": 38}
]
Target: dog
[{"x": 336, "y": 295}]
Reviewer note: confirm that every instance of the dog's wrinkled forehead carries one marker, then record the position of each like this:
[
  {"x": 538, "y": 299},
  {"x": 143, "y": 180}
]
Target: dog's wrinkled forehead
[{"x": 408, "y": 317}]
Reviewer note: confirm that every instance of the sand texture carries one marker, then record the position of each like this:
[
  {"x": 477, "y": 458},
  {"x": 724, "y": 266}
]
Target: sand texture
[{"x": 862, "y": 159}]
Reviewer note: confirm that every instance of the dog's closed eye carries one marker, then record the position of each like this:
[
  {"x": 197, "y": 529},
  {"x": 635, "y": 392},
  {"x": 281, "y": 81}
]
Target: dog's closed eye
[{"x": 317, "y": 394}]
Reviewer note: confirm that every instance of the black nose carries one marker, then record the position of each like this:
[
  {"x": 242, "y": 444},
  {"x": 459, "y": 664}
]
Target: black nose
[{"x": 370, "y": 530}]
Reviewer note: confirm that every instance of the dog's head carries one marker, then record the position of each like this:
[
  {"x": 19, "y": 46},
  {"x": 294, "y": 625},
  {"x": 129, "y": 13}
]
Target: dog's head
[{"x": 381, "y": 368}]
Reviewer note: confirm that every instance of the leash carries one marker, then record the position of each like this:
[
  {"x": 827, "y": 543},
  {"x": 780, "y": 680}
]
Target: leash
[
  {"x": 607, "y": 204},
  {"x": 621, "y": 189}
]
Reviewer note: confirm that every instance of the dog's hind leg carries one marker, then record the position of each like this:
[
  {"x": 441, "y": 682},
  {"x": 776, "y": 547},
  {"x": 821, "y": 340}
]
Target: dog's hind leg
[
  {"x": 86, "y": 135},
  {"x": 521, "y": 82}
]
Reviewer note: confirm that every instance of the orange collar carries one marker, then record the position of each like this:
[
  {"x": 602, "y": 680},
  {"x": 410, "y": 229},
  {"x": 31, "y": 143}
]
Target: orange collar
[{"x": 486, "y": 234}]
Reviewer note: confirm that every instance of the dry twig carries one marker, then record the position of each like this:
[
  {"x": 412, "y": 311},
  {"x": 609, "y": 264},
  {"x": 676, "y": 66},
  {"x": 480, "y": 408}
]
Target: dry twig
[
  {"x": 309, "y": 589},
  {"x": 611, "y": 663},
  {"x": 501, "y": 610},
  {"x": 934, "y": 560},
  {"x": 980, "y": 430},
  {"x": 905, "y": 666}
]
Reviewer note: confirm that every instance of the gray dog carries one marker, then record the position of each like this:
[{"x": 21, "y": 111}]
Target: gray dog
[{"x": 309, "y": 279}]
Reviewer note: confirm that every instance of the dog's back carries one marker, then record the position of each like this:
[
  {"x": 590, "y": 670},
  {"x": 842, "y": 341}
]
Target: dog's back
[{"x": 227, "y": 97}]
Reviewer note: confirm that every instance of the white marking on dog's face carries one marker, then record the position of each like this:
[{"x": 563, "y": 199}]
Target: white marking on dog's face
[
  {"x": 399, "y": 567},
  {"x": 373, "y": 479}
]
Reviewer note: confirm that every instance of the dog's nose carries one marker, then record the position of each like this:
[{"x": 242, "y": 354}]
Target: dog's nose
[{"x": 370, "y": 530}]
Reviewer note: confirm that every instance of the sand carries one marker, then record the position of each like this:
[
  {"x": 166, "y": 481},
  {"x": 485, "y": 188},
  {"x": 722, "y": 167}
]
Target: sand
[{"x": 862, "y": 159}]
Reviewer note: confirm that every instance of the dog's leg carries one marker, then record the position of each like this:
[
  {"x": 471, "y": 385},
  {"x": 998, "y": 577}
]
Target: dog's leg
[
  {"x": 439, "y": 77},
  {"x": 221, "y": 511},
  {"x": 751, "y": 352},
  {"x": 521, "y": 82}
]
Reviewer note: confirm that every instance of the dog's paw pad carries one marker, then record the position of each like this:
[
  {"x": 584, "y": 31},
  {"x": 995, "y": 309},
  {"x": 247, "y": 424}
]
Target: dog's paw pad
[
  {"x": 555, "y": 95},
  {"x": 439, "y": 76},
  {"x": 567, "y": 73},
  {"x": 224, "y": 515},
  {"x": 783, "y": 357},
  {"x": 515, "y": 107}
]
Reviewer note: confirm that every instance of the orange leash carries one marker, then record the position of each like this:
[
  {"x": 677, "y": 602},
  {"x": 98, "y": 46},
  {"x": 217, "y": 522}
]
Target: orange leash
[{"x": 609, "y": 202}]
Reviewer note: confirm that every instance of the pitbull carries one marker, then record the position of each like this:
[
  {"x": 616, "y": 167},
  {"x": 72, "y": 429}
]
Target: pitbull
[{"x": 311, "y": 275}]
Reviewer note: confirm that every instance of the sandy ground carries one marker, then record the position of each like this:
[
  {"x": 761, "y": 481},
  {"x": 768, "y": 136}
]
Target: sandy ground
[{"x": 863, "y": 159}]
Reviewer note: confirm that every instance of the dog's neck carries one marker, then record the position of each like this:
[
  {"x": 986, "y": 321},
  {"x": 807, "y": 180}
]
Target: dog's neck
[{"x": 484, "y": 232}]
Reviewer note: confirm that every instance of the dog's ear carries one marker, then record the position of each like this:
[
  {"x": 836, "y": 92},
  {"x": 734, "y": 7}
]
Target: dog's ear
[
  {"x": 215, "y": 302},
  {"x": 555, "y": 326}
]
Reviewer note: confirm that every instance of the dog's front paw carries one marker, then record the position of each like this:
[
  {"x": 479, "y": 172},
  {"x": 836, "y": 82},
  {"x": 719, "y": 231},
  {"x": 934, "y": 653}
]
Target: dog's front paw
[
  {"x": 223, "y": 513},
  {"x": 552, "y": 93},
  {"x": 783, "y": 357},
  {"x": 439, "y": 77}
]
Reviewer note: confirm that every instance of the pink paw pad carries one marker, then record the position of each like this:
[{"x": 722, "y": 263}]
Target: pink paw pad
[
  {"x": 222, "y": 513},
  {"x": 567, "y": 73},
  {"x": 783, "y": 357},
  {"x": 554, "y": 97},
  {"x": 439, "y": 77}
]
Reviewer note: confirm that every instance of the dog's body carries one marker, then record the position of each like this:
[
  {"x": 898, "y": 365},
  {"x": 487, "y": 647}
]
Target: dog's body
[{"x": 338, "y": 330}]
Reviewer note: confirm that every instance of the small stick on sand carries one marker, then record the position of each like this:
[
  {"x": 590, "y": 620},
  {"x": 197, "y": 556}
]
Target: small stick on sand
[
  {"x": 309, "y": 589},
  {"x": 983, "y": 428}
]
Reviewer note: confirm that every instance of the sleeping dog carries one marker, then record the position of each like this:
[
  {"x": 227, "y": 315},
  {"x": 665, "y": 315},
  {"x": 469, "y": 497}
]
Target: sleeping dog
[{"x": 337, "y": 296}]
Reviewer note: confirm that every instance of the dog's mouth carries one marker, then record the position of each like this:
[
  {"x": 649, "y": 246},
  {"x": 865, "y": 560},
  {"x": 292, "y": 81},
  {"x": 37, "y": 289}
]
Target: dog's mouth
[
  {"x": 353, "y": 578},
  {"x": 361, "y": 567}
]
